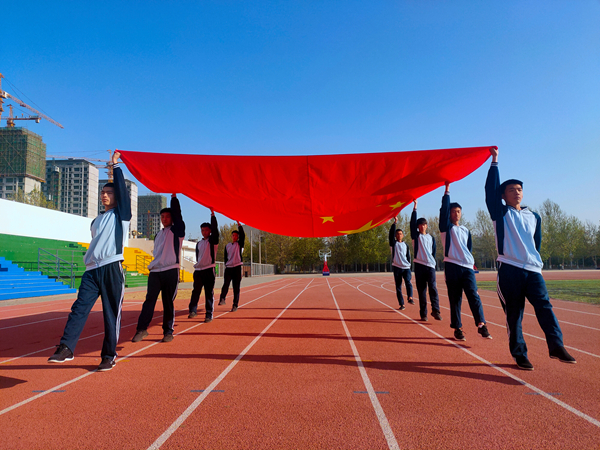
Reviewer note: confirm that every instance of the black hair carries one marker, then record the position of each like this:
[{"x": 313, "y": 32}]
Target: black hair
[
  {"x": 455, "y": 205},
  {"x": 112, "y": 185},
  {"x": 236, "y": 232},
  {"x": 399, "y": 229},
  {"x": 422, "y": 221},
  {"x": 504, "y": 185},
  {"x": 166, "y": 210},
  {"x": 205, "y": 225}
]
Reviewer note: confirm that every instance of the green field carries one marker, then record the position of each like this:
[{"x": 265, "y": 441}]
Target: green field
[{"x": 586, "y": 291}]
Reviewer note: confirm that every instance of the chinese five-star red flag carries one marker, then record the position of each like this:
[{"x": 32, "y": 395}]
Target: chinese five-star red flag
[{"x": 306, "y": 196}]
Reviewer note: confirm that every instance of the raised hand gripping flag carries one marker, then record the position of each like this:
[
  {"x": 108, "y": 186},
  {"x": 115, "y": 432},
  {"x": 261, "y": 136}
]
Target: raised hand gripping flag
[{"x": 306, "y": 196}]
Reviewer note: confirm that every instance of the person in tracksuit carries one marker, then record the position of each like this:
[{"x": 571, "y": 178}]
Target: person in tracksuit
[
  {"x": 204, "y": 273},
  {"x": 424, "y": 259},
  {"x": 232, "y": 257},
  {"x": 518, "y": 240},
  {"x": 164, "y": 272},
  {"x": 103, "y": 274},
  {"x": 458, "y": 268},
  {"x": 400, "y": 264}
]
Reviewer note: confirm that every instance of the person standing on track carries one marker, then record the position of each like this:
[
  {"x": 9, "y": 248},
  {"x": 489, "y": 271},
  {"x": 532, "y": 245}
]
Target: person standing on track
[
  {"x": 103, "y": 274},
  {"x": 204, "y": 274},
  {"x": 424, "y": 251},
  {"x": 233, "y": 266},
  {"x": 400, "y": 264},
  {"x": 518, "y": 240},
  {"x": 458, "y": 268},
  {"x": 164, "y": 272}
]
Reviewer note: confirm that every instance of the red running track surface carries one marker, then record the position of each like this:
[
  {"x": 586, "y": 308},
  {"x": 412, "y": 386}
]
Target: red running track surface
[{"x": 324, "y": 363}]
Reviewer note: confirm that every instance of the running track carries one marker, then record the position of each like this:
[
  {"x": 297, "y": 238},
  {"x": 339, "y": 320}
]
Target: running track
[{"x": 315, "y": 363}]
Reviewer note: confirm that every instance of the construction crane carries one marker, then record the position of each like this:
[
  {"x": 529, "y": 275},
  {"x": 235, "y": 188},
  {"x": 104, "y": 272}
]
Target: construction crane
[
  {"x": 107, "y": 163},
  {"x": 10, "y": 120}
]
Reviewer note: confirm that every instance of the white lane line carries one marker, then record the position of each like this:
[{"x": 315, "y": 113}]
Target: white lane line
[
  {"x": 533, "y": 315},
  {"x": 564, "y": 405},
  {"x": 56, "y": 318},
  {"x": 70, "y": 302},
  {"x": 154, "y": 318},
  {"x": 175, "y": 425},
  {"x": 503, "y": 326},
  {"x": 50, "y": 390},
  {"x": 383, "y": 421},
  {"x": 490, "y": 295}
]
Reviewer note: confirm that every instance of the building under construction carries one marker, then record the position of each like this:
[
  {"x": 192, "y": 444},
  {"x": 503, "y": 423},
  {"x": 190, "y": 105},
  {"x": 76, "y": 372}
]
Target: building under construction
[{"x": 22, "y": 161}]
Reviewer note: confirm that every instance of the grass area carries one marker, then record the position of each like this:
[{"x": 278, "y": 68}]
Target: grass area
[{"x": 586, "y": 291}]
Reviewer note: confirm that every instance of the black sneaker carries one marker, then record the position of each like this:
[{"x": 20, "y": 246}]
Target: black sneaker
[
  {"x": 221, "y": 301},
  {"x": 459, "y": 335},
  {"x": 402, "y": 308},
  {"x": 192, "y": 315},
  {"x": 562, "y": 355},
  {"x": 483, "y": 331},
  {"x": 167, "y": 338},
  {"x": 234, "y": 309},
  {"x": 436, "y": 315},
  {"x": 141, "y": 334},
  {"x": 208, "y": 319},
  {"x": 62, "y": 354},
  {"x": 424, "y": 319},
  {"x": 411, "y": 301},
  {"x": 523, "y": 363},
  {"x": 106, "y": 364}
]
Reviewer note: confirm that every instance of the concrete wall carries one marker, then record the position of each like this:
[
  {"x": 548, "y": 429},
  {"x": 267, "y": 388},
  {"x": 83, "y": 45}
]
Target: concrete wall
[{"x": 26, "y": 220}]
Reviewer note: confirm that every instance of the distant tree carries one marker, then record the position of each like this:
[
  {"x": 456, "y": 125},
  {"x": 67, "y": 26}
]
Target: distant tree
[
  {"x": 305, "y": 253},
  {"x": 280, "y": 250},
  {"x": 339, "y": 253},
  {"x": 35, "y": 198},
  {"x": 553, "y": 219},
  {"x": 484, "y": 242}
]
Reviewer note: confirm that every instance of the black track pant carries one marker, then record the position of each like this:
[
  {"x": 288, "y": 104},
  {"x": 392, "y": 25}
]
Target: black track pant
[
  {"x": 108, "y": 282},
  {"x": 232, "y": 274},
  {"x": 425, "y": 277},
  {"x": 166, "y": 283},
  {"x": 399, "y": 275},
  {"x": 203, "y": 279}
]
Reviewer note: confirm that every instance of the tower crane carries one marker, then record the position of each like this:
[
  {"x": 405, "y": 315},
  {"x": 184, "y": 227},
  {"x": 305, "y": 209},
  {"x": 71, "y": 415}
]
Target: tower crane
[
  {"x": 10, "y": 120},
  {"x": 107, "y": 163}
]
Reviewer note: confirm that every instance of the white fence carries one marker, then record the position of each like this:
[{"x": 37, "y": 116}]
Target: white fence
[
  {"x": 257, "y": 270},
  {"x": 260, "y": 270}
]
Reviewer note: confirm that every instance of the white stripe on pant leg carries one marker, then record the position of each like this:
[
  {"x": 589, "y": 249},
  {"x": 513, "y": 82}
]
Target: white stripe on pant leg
[
  {"x": 503, "y": 302},
  {"x": 173, "y": 301},
  {"x": 120, "y": 306}
]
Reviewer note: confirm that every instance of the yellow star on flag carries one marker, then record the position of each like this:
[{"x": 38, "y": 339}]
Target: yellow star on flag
[
  {"x": 397, "y": 205},
  {"x": 327, "y": 219},
  {"x": 365, "y": 227}
]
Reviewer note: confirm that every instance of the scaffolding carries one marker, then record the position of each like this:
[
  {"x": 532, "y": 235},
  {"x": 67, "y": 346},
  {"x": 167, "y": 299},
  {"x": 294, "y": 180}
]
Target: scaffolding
[{"x": 22, "y": 154}]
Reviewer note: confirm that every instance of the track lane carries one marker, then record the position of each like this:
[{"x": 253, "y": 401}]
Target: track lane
[{"x": 566, "y": 382}]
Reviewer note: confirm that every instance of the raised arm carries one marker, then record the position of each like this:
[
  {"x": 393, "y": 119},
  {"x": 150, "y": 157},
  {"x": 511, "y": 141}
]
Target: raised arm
[
  {"x": 445, "y": 210},
  {"x": 214, "y": 228},
  {"x": 493, "y": 196},
  {"x": 392, "y": 236},
  {"x": 242, "y": 238},
  {"x": 414, "y": 232},
  {"x": 121, "y": 194},
  {"x": 178, "y": 227}
]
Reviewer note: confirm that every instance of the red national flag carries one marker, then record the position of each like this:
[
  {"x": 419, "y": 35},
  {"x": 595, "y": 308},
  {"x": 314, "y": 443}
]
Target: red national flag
[{"x": 306, "y": 196}]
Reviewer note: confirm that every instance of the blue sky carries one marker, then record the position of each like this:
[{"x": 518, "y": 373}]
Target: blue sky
[{"x": 295, "y": 78}]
